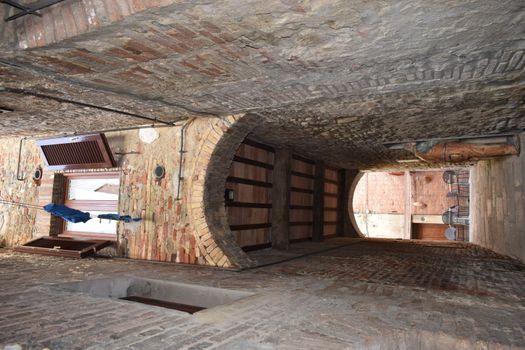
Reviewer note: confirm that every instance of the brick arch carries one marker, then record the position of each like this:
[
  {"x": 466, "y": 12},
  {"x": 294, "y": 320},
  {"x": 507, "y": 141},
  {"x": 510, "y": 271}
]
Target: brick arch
[
  {"x": 216, "y": 243},
  {"x": 351, "y": 193}
]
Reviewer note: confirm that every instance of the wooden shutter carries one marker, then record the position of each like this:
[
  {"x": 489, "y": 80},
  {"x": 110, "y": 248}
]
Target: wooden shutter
[
  {"x": 67, "y": 247},
  {"x": 77, "y": 152}
]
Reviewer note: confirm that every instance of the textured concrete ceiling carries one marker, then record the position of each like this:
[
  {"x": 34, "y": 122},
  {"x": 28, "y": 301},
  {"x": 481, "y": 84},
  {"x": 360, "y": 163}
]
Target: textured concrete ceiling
[{"x": 332, "y": 79}]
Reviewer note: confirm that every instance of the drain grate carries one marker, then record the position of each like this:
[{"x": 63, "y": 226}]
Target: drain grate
[{"x": 191, "y": 309}]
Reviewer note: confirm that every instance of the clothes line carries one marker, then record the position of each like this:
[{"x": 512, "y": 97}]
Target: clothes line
[{"x": 70, "y": 214}]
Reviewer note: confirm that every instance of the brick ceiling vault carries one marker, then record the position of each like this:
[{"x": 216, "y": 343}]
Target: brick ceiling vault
[{"x": 331, "y": 79}]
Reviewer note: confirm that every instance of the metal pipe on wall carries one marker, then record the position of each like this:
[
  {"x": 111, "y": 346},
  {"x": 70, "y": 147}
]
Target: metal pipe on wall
[
  {"x": 181, "y": 155},
  {"x": 102, "y": 131},
  {"x": 22, "y": 178},
  {"x": 461, "y": 152},
  {"x": 18, "y": 177}
]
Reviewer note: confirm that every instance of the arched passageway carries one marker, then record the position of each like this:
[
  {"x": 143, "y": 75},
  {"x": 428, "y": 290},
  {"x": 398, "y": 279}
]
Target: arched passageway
[{"x": 425, "y": 204}]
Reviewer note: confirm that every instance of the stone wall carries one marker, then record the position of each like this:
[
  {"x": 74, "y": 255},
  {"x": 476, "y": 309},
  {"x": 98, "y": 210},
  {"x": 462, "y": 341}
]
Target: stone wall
[
  {"x": 189, "y": 229},
  {"x": 498, "y": 204}
]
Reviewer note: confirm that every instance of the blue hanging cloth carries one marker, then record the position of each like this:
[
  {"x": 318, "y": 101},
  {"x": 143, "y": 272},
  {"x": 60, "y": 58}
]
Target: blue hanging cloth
[
  {"x": 66, "y": 213},
  {"x": 125, "y": 218},
  {"x": 76, "y": 216}
]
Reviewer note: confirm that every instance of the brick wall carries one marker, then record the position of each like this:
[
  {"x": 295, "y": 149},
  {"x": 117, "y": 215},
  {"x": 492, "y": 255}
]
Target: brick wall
[
  {"x": 71, "y": 18},
  {"x": 207, "y": 189},
  {"x": 170, "y": 231},
  {"x": 191, "y": 229},
  {"x": 380, "y": 192},
  {"x": 45, "y": 196},
  {"x": 380, "y": 207},
  {"x": 385, "y": 193}
]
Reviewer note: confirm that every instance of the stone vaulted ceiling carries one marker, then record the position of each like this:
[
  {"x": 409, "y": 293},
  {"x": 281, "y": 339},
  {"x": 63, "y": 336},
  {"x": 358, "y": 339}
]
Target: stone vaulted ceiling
[{"x": 333, "y": 79}]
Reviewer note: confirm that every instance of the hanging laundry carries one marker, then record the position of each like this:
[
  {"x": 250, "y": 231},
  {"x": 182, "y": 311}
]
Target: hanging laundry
[{"x": 76, "y": 216}]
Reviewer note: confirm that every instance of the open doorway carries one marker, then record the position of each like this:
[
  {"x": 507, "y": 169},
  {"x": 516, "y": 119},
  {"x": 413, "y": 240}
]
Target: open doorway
[{"x": 425, "y": 205}]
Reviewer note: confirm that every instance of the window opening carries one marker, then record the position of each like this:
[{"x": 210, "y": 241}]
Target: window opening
[{"x": 97, "y": 194}]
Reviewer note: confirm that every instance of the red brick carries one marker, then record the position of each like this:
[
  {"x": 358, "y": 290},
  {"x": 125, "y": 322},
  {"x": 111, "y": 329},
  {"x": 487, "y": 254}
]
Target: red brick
[
  {"x": 113, "y": 10},
  {"x": 101, "y": 11},
  {"x": 92, "y": 18},
  {"x": 58, "y": 23},
  {"x": 165, "y": 41},
  {"x": 123, "y": 7},
  {"x": 69, "y": 19},
  {"x": 30, "y": 30},
  {"x": 66, "y": 66},
  {"x": 140, "y": 49},
  {"x": 212, "y": 37},
  {"x": 79, "y": 14},
  {"x": 38, "y": 27},
  {"x": 21, "y": 34},
  {"x": 119, "y": 52},
  {"x": 93, "y": 61},
  {"x": 138, "y": 5}
]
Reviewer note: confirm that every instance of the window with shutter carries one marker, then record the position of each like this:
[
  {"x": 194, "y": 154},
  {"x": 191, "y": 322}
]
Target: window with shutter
[{"x": 77, "y": 152}]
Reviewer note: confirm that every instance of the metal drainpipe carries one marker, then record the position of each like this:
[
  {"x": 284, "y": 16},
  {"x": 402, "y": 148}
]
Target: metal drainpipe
[
  {"x": 366, "y": 206},
  {"x": 18, "y": 177},
  {"x": 181, "y": 155}
]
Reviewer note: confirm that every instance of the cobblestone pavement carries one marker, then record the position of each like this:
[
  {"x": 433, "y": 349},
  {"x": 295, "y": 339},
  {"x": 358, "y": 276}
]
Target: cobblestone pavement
[{"x": 372, "y": 294}]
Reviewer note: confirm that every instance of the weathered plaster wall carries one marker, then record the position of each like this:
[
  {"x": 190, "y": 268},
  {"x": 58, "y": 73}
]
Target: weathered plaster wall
[
  {"x": 191, "y": 229},
  {"x": 498, "y": 204}
]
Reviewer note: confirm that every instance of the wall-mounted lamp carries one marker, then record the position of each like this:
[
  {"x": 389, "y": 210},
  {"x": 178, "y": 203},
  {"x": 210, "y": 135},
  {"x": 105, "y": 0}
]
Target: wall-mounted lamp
[{"x": 229, "y": 196}]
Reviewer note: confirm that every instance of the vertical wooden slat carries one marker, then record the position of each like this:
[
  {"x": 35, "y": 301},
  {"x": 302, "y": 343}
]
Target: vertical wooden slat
[
  {"x": 58, "y": 197},
  {"x": 252, "y": 165},
  {"x": 408, "y": 205},
  {"x": 349, "y": 229},
  {"x": 318, "y": 205},
  {"x": 341, "y": 207},
  {"x": 281, "y": 199}
]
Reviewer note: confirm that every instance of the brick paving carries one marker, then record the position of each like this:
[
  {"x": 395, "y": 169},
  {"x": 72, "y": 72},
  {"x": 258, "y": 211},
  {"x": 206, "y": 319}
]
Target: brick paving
[{"x": 370, "y": 294}]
